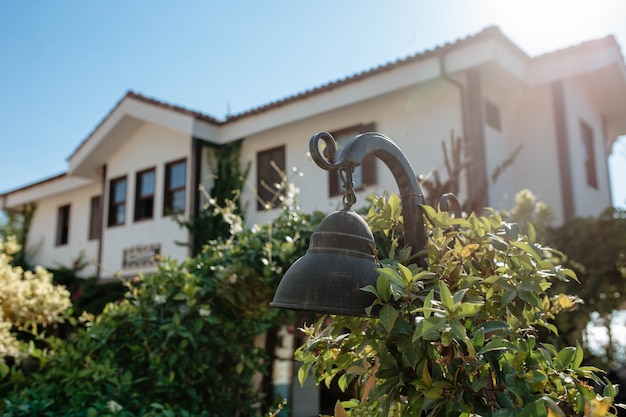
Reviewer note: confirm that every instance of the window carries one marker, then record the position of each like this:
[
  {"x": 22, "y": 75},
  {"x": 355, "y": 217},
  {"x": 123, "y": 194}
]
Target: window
[
  {"x": 63, "y": 225},
  {"x": 94, "y": 218},
  {"x": 144, "y": 194},
  {"x": 270, "y": 166},
  {"x": 117, "y": 201},
  {"x": 589, "y": 154},
  {"x": 174, "y": 195},
  {"x": 363, "y": 175},
  {"x": 492, "y": 115}
]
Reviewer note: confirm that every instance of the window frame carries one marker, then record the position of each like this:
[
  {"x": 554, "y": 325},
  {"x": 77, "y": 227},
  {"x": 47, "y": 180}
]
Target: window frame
[
  {"x": 113, "y": 205},
  {"x": 95, "y": 223},
  {"x": 589, "y": 154},
  {"x": 141, "y": 199},
  {"x": 367, "y": 167},
  {"x": 267, "y": 175},
  {"x": 63, "y": 225},
  {"x": 493, "y": 115},
  {"x": 168, "y": 191}
]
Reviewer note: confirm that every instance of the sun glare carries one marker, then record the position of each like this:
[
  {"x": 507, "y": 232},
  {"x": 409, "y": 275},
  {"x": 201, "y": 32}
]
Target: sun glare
[{"x": 540, "y": 26}]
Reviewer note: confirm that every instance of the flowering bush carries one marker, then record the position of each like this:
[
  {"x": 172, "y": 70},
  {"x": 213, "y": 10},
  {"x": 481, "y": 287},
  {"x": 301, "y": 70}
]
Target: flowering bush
[{"x": 29, "y": 302}]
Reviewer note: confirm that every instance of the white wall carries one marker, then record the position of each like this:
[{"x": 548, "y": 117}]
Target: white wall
[
  {"x": 579, "y": 103},
  {"x": 41, "y": 246},
  {"x": 151, "y": 146},
  {"x": 417, "y": 119},
  {"x": 536, "y": 167}
]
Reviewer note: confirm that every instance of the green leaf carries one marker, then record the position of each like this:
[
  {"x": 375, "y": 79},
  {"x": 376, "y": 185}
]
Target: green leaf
[
  {"x": 467, "y": 310},
  {"x": 478, "y": 338},
  {"x": 528, "y": 249},
  {"x": 371, "y": 289},
  {"x": 508, "y": 296},
  {"x": 429, "y": 212},
  {"x": 382, "y": 288},
  {"x": 494, "y": 326},
  {"x": 497, "y": 243},
  {"x": 428, "y": 329},
  {"x": 535, "y": 409},
  {"x": 428, "y": 302},
  {"x": 565, "y": 357},
  {"x": 405, "y": 274},
  {"x": 469, "y": 249},
  {"x": 511, "y": 230},
  {"x": 303, "y": 372},
  {"x": 446, "y": 297},
  {"x": 393, "y": 275},
  {"x": 495, "y": 344},
  {"x": 460, "y": 332},
  {"x": 577, "y": 360},
  {"x": 342, "y": 382},
  {"x": 532, "y": 234},
  {"x": 412, "y": 351},
  {"x": 394, "y": 205},
  {"x": 388, "y": 316}
]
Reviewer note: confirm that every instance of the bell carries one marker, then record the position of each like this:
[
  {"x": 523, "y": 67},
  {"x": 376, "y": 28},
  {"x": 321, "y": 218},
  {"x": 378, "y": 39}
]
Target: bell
[{"x": 329, "y": 277}]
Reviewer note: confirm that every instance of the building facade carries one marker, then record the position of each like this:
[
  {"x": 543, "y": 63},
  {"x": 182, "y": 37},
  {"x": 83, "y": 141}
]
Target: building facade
[{"x": 559, "y": 114}]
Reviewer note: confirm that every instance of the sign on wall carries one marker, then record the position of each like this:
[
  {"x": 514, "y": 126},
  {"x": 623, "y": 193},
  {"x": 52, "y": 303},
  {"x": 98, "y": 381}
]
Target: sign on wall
[{"x": 141, "y": 256}]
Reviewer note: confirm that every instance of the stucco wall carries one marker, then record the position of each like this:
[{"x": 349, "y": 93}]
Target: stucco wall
[
  {"x": 41, "y": 247},
  {"x": 536, "y": 166},
  {"x": 417, "y": 119},
  {"x": 579, "y": 104},
  {"x": 150, "y": 147}
]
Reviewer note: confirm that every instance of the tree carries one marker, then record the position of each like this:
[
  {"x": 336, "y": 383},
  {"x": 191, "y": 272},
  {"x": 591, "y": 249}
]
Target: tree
[
  {"x": 596, "y": 249},
  {"x": 17, "y": 225}
]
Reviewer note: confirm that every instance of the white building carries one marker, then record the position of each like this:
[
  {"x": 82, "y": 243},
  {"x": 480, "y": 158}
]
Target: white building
[{"x": 146, "y": 159}]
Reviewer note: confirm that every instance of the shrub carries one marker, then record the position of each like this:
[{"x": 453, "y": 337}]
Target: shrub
[
  {"x": 30, "y": 304},
  {"x": 459, "y": 336},
  {"x": 181, "y": 342}
]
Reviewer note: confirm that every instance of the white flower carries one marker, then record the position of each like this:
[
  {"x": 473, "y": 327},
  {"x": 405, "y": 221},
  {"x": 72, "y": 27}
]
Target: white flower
[
  {"x": 236, "y": 228},
  {"x": 114, "y": 407},
  {"x": 159, "y": 299},
  {"x": 204, "y": 312}
]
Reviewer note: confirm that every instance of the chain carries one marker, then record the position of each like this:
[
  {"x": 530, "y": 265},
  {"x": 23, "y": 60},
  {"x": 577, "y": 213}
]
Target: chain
[{"x": 349, "y": 197}]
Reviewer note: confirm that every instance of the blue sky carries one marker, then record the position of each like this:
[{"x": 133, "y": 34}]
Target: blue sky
[{"x": 64, "y": 64}]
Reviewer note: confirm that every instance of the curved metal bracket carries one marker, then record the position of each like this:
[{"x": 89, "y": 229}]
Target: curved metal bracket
[
  {"x": 383, "y": 148},
  {"x": 450, "y": 202}
]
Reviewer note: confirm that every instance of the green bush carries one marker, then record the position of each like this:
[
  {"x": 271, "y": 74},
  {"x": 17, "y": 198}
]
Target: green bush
[
  {"x": 181, "y": 342},
  {"x": 460, "y": 336}
]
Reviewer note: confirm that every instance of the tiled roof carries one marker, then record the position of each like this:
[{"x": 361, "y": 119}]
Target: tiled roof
[
  {"x": 491, "y": 31},
  {"x": 178, "y": 109},
  {"x": 35, "y": 184},
  {"x": 154, "y": 102},
  {"x": 594, "y": 43}
]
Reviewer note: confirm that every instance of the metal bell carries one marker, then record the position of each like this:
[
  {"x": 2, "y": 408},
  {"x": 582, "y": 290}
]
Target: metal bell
[{"x": 329, "y": 277}]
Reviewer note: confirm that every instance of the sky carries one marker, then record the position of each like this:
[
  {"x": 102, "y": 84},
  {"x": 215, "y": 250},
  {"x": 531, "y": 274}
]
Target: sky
[{"x": 65, "y": 64}]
